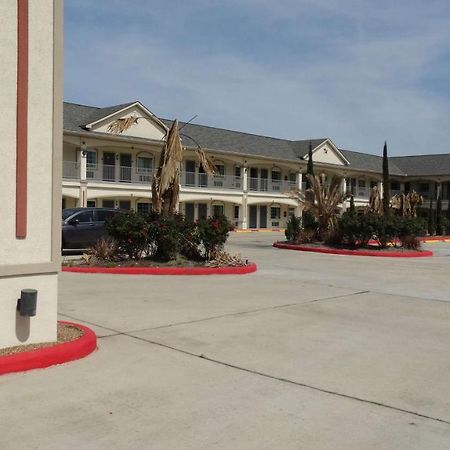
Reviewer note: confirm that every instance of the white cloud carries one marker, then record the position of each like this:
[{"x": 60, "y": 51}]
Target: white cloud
[{"x": 358, "y": 92}]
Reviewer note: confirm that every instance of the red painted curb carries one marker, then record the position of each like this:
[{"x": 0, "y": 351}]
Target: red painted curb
[
  {"x": 434, "y": 238},
  {"x": 49, "y": 356},
  {"x": 238, "y": 270},
  {"x": 376, "y": 253}
]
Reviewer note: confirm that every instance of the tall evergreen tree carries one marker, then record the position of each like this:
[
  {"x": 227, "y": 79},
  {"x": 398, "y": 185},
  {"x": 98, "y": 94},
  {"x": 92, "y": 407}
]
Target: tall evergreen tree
[
  {"x": 439, "y": 227},
  {"x": 310, "y": 166},
  {"x": 386, "y": 181},
  {"x": 352, "y": 209},
  {"x": 308, "y": 220},
  {"x": 430, "y": 219}
]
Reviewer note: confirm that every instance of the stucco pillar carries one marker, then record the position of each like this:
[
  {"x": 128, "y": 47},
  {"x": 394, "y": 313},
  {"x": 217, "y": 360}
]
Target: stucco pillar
[
  {"x": 83, "y": 162},
  {"x": 344, "y": 192},
  {"x": 83, "y": 194},
  {"x": 438, "y": 189},
  {"x": 380, "y": 188},
  {"x": 299, "y": 181},
  {"x": 244, "y": 198}
]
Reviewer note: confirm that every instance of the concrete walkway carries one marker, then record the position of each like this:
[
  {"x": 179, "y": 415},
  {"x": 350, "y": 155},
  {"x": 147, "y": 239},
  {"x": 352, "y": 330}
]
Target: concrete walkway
[{"x": 311, "y": 352}]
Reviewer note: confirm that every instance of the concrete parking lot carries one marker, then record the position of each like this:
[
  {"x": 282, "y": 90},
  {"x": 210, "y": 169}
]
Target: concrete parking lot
[{"x": 311, "y": 352}]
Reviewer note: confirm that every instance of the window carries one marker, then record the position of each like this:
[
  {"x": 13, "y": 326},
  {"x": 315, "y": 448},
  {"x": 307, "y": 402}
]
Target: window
[
  {"x": 237, "y": 171},
  {"x": 125, "y": 204},
  {"x": 220, "y": 169},
  {"x": 361, "y": 183},
  {"x": 91, "y": 203},
  {"x": 236, "y": 211},
  {"x": 291, "y": 211},
  {"x": 276, "y": 175},
  {"x": 218, "y": 210},
  {"x": 144, "y": 164},
  {"x": 108, "y": 204},
  {"x": 292, "y": 177},
  {"x": 84, "y": 216},
  {"x": 424, "y": 187},
  {"x": 275, "y": 212},
  {"x": 91, "y": 159},
  {"x": 395, "y": 185},
  {"x": 144, "y": 208}
]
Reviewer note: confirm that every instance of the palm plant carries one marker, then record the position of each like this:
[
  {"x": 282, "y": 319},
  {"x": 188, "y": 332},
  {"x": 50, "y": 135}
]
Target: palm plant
[
  {"x": 322, "y": 201},
  {"x": 166, "y": 182}
]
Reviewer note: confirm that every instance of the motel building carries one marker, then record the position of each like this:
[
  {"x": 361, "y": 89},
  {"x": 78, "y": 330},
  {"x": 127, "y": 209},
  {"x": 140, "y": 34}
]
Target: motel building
[{"x": 254, "y": 173}]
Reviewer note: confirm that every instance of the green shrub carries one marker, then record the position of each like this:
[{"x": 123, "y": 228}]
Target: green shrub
[
  {"x": 164, "y": 237},
  {"x": 293, "y": 228},
  {"x": 357, "y": 231},
  {"x": 308, "y": 221},
  {"x": 190, "y": 239},
  {"x": 213, "y": 233},
  {"x": 130, "y": 231}
]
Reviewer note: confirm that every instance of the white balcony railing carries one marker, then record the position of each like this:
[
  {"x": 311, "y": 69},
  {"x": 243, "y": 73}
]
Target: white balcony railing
[
  {"x": 71, "y": 170},
  {"x": 202, "y": 180},
  {"x": 107, "y": 173},
  {"x": 268, "y": 185}
]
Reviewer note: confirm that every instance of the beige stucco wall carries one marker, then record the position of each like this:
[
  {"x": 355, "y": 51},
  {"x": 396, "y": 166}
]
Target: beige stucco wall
[
  {"x": 31, "y": 262},
  {"x": 144, "y": 128},
  {"x": 37, "y": 247},
  {"x": 327, "y": 154}
]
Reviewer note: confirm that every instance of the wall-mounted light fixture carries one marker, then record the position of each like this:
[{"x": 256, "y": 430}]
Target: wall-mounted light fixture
[{"x": 26, "y": 304}]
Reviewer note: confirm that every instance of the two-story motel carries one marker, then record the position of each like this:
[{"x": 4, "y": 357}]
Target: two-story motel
[{"x": 254, "y": 173}]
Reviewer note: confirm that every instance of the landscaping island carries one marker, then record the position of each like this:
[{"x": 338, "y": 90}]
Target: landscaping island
[
  {"x": 155, "y": 244},
  {"x": 74, "y": 342},
  {"x": 392, "y": 252}
]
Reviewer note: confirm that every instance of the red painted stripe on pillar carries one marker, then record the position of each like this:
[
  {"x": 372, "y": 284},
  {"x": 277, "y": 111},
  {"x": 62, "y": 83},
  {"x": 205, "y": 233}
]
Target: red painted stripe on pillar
[{"x": 22, "y": 119}]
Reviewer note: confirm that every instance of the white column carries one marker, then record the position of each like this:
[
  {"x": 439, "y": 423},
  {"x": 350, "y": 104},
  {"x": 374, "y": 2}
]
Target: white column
[
  {"x": 344, "y": 192},
  {"x": 380, "y": 189},
  {"x": 299, "y": 181},
  {"x": 83, "y": 194},
  {"x": 83, "y": 162},
  {"x": 438, "y": 189},
  {"x": 117, "y": 168},
  {"x": 245, "y": 179}
]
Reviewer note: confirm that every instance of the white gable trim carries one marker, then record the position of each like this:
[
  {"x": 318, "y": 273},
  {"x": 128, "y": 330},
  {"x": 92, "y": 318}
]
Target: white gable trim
[
  {"x": 335, "y": 149},
  {"x": 146, "y": 111}
]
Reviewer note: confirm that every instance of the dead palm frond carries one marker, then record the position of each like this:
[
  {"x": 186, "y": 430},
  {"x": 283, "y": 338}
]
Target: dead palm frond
[
  {"x": 322, "y": 200},
  {"x": 121, "y": 125},
  {"x": 166, "y": 182}
]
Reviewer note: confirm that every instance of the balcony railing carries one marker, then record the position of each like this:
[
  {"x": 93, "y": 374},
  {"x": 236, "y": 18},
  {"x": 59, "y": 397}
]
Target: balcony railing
[
  {"x": 360, "y": 192},
  {"x": 71, "y": 170},
  {"x": 202, "y": 180},
  {"x": 107, "y": 173},
  {"x": 268, "y": 185}
]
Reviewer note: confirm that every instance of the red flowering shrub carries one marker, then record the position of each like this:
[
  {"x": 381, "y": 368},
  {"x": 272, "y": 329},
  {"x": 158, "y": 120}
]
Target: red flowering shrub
[
  {"x": 213, "y": 233},
  {"x": 130, "y": 231}
]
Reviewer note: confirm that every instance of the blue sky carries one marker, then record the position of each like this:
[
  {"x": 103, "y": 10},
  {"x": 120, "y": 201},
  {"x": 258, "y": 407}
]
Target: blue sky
[{"x": 358, "y": 71}]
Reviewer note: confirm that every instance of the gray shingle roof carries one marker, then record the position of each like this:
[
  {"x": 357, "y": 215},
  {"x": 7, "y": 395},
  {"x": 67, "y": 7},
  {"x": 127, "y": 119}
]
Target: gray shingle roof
[
  {"x": 235, "y": 141},
  {"x": 371, "y": 163},
  {"x": 76, "y": 117},
  {"x": 301, "y": 148},
  {"x": 423, "y": 164}
]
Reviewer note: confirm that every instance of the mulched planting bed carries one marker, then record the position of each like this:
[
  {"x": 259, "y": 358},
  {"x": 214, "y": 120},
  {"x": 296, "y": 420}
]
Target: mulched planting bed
[
  {"x": 167, "y": 270},
  {"x": 393, "y": 252},
  {"x": 74, "y": 342},
  {"x": 66, "y": 333}
]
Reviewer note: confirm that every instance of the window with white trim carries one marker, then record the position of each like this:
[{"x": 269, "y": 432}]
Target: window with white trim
[
  {"x": 275, "y": 212},
  {"x": 91, "y": 159},
  {"x": 144, "y": 164}
]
